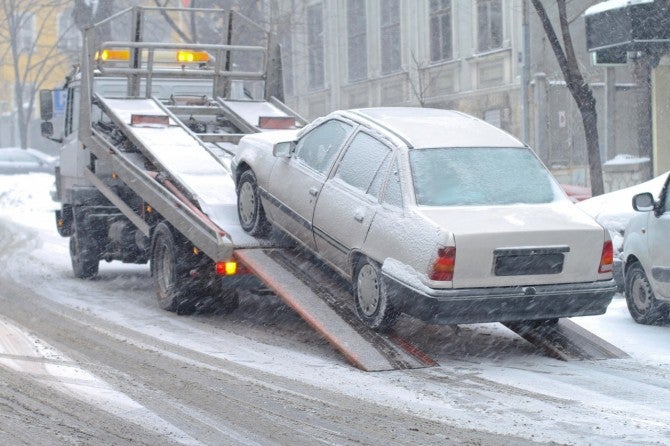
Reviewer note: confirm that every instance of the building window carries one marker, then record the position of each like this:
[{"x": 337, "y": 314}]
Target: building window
[
  {"x": 26, "y": 33},
  {"x": 69, "y": 37},
  {"x": 440, "y": 30},
  {"x": 315, "y": 46},
  {"x": 489, "y": 25},
  {"x": 357, "y": 41},
  {"x": 390, "y": 36}
]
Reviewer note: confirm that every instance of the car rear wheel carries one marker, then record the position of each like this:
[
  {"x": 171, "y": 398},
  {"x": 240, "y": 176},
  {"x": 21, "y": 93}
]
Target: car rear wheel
[
  {"x": 642, "y": 303},
  {"x": 249, "y": 207},
  {"x": 372, "y": 304}
]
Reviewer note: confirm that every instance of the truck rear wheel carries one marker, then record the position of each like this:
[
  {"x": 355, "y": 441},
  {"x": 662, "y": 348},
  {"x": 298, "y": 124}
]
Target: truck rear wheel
[
  {"x": 166, "y": 269},
  {"x": 85, "y": 256}
]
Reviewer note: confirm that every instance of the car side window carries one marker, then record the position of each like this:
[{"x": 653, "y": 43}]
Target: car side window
[
  {"x": 393, "y": 191},
  {"x": 666, "y": 203},
  {"x": 378, "y": 180},
  {"x": 318, "y": 148},
  {"x": 362, "y": 161}
]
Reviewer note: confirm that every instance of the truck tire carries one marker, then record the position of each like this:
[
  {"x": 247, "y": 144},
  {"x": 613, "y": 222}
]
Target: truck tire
[
  {"x": 372, "y": 303},
  {"x": 167, "y": 270},
  {"x": 85, "y": 256},
  {"x": 249, "y": 207},
  {"x": 642, "y": 303}
]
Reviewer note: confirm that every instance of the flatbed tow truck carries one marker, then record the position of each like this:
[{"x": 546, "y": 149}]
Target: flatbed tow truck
[{"x": 148, "y": 134}]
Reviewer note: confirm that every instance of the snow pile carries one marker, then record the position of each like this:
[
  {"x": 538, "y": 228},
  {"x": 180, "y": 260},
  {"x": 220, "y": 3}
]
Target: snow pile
[{"x": 26, "y": 193}]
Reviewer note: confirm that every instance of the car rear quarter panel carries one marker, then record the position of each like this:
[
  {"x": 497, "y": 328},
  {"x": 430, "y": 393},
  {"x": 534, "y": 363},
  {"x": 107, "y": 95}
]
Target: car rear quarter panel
[{"x": 408, "y": 238}]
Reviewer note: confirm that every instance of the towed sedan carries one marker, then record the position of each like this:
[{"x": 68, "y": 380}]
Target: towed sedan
[{"x": 427, "y": 212}]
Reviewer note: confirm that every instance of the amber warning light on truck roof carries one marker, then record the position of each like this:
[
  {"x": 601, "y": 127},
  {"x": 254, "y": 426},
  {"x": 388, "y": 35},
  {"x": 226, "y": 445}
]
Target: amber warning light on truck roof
[{"x": 161, "y": 56}]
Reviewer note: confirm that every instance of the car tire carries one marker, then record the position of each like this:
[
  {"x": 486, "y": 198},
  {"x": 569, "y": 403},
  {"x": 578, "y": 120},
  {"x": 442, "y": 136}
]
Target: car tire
[
  {"x": 167, "y": 271},
  {"x": 249, "y": 207},
  {"x": 85, "y": 256},
  {"x": 642, "y": 303},
  {"x": 372, "y": 303}
]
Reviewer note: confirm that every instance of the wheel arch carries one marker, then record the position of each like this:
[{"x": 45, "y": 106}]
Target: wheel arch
[{"x": 241, "y": 168}]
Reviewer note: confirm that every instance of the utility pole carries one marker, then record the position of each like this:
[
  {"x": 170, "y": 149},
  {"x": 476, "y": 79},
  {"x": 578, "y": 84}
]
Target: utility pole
[{"x": 525, "y": 71}]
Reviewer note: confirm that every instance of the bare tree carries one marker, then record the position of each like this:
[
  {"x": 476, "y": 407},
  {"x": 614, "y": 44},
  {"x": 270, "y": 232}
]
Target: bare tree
[
  {"x": 578, "y": 87},
  {"x": 30, "y": 52}
]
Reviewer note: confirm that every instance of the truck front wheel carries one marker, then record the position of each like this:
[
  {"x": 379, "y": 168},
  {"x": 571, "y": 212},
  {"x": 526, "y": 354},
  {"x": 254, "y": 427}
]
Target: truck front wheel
[
  {"x": 84, "y": 255},
  {"x": 165, "y": 269}
]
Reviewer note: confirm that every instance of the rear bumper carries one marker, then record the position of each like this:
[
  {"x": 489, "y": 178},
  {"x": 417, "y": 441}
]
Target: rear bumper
[{"x": 504, "y": 304}]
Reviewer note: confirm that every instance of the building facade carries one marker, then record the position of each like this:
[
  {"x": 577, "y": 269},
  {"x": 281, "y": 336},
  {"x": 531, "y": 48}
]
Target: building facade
[{"x": 466, "y": 55}]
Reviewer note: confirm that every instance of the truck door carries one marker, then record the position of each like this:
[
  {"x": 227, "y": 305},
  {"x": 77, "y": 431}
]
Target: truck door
[{"x": 658, "y": 238}]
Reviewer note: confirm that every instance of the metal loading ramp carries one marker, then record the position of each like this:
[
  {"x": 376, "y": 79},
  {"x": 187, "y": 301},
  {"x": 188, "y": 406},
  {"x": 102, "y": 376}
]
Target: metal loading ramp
[
  {"x": 320, "y": 305},
  {"x": 566, "y": 340}
]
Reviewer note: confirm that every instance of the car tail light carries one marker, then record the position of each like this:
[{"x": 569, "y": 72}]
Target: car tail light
[
  {"x": 444, "y": 264},
  {"x": 606, "y": 258}
]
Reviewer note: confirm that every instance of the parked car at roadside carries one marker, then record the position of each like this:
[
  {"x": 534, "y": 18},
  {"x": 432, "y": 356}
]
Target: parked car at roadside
[
  {"x": 646, "y": 254},
  {"x": 14, "y": 160},
  {"x": 428, "y": 212}
]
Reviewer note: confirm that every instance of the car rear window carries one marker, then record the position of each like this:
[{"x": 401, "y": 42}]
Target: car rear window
[{"x": 479, "y": 176}]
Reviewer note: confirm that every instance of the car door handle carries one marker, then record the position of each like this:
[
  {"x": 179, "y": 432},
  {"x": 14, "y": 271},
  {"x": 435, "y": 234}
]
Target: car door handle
[
  {"x": 359, "y": 216},
  {"x": 313, "y": 191}
]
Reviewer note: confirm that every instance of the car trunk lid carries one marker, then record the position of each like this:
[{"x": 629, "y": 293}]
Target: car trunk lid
[{"x": 521, "y": 244}]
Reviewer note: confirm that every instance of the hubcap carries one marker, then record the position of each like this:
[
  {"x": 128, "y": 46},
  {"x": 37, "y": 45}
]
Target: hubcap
[
  {"x": 367, "y": 285},
  {"x": 247, "y": 204},
  {"x": 640, "y": 293}
]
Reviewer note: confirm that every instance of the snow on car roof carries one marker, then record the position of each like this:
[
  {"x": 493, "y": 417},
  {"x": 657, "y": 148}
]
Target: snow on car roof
[{"x": 431, "y": 127}]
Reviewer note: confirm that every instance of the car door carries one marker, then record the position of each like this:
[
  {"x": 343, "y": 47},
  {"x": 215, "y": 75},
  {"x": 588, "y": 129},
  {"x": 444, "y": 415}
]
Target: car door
[
  {"x": 658, "y": 239},
  {"x": 295, "y": 182},
  {"x": 349, "y": 200}
]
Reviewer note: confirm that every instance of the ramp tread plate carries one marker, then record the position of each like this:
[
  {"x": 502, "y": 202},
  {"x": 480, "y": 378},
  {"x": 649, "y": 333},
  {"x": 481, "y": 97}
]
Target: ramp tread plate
[{"x": 567, "y": 340}]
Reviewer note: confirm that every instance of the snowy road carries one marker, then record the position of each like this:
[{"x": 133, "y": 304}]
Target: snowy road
[{"x": 96, "y": 362}]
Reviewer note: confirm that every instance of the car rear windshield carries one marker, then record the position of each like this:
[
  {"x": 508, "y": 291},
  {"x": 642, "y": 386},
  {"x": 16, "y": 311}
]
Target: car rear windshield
[{"x": 479, "y": 176}]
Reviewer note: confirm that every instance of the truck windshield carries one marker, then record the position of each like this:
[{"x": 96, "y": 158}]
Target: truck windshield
[{"x": 472, "y": 176}]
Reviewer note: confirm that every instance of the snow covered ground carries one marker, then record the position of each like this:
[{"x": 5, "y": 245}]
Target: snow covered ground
[{"x": 489, "y": 378}]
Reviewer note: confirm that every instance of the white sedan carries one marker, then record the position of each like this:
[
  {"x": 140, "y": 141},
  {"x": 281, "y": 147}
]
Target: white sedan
[
  {"x": 428, "y": 212},
  {"x": 646, "y": 254}
]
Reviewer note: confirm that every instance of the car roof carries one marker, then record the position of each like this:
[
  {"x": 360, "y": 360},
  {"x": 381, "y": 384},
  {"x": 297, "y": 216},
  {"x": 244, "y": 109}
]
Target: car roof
[{"x": 432, "y": 127}]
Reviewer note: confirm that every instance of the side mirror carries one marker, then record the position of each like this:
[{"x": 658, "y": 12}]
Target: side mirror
[
  {"x": 643, "y": 202},
  {"x": 47, "y": 129},
  {"x": 46, "y": 105},
  {"x": 283, "y": 149}
]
